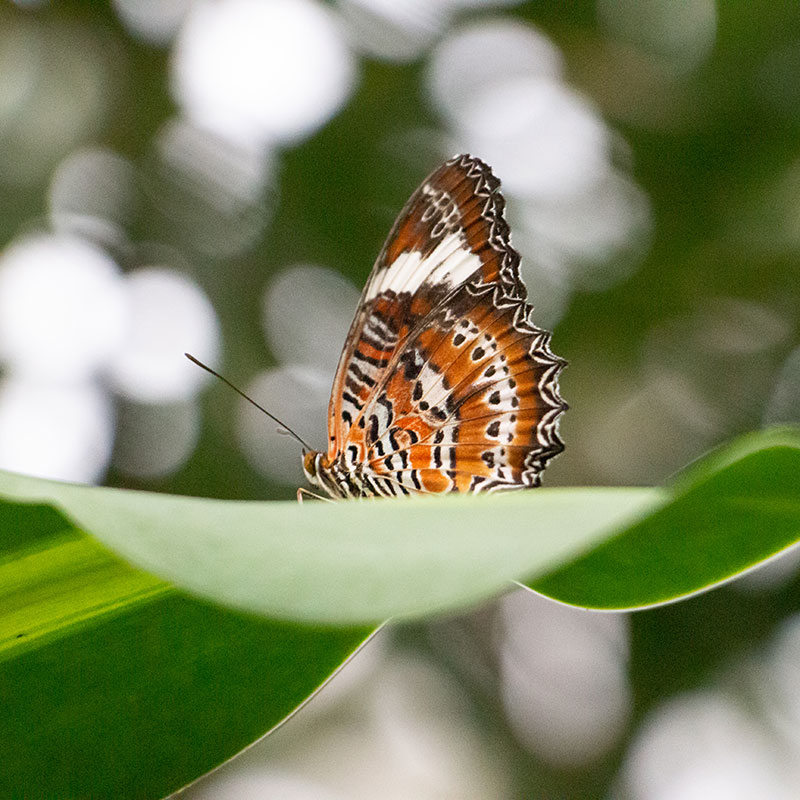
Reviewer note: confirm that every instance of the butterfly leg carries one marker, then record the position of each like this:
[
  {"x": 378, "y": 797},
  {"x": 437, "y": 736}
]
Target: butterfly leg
[{"x": 301, "y": 491}]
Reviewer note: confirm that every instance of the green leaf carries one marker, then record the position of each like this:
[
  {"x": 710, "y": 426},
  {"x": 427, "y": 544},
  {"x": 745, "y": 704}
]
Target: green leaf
[
  {"x": 113, "y": 684},
  {"x": 730, "y": 511},
  {"x": 343, "y": 563},
  {"x": 362, "y": 562}
]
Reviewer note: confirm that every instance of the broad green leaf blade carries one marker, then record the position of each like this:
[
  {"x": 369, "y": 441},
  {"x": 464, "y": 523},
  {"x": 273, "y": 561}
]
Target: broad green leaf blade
[
  {"x": 349, "y": 562},
  {"x": 357, "y": 562},
  {"x": 732, "y": 511},
  {"x": 113, "y": 684}
]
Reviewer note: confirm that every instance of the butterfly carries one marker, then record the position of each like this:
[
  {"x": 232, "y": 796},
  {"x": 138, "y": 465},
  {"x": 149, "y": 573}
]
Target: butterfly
[{"x": 444, "y": 384}]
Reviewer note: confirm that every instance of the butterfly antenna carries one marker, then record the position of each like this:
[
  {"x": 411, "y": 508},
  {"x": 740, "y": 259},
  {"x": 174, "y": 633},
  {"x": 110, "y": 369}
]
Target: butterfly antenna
[{"x": 249, "y": 400}]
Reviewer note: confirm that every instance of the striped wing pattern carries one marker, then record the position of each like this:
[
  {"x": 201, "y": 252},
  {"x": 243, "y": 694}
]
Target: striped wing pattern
[{"x": 444, "y": 383}]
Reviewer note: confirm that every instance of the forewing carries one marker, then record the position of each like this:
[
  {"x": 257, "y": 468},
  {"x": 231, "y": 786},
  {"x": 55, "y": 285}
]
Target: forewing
[{"x": 451, "y": 230}]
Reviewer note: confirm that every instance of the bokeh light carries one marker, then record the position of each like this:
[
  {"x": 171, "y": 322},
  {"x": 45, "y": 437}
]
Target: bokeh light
[
  {"x": 776, "y": 686},
  {"x": 542, "y": 137},
  {"x": 577, "y": 220},
  {"x": 429, "y": 736},
  {"x": 455, "y": 77},
  {"x": 93, "y": 193},
  {"x": 591, "y": 240},
  {"x": 777, "y": 572},
  {"x": 399, "y": 728},
  {"x": 213, "y": 195},
  {"x": 257, "y": 784},
  {"x": 678, "y": 34},
  {"x": 63, "y": 309},
  {"x": 696, "y": 385},
  {"x": 261, "y": 73},
  {"x": 58, "y": 431},
  {"x": 401, "y": 30},
  {"x": 152, "y": 21},
  {"x": 307, "y": 311},
  {"x": 394, "y": 31},
  {"x": 784, "y": 404},
  {"x": 298, "y": 396},
  {"x": 703, "y": 745},
  {"x": 56, "y": 85},
  {"x": 564, "y": 678},
  {"x": 170, "y": 315}
]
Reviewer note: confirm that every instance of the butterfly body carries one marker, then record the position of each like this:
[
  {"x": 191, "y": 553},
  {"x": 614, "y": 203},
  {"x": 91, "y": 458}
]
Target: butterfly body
[{"x": 444, "y": 383}]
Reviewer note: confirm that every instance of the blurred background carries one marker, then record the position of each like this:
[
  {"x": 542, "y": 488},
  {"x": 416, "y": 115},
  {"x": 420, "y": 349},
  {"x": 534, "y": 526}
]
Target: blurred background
[{"x": 217, "y": 176}]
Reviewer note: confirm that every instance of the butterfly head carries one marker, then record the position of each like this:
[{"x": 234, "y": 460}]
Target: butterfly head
[{"x": 313, "y": 464}]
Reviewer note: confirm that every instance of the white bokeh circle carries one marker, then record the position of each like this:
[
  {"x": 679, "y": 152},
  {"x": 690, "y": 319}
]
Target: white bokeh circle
[
  {"x": 63, "y": 309},
  {"x": 508, "y": 50},
  {"x": 306, "y": 314},
  {"x": 170, "y": 315},
  {"x": 57, "y": 431},
  {"x": 564, "y": 678},
  {"x": 702, "y": 745},
  {"x": 92, "y": 191},
  {"x": 544, "y": 139},
  {"x": 260, "y": 72}
]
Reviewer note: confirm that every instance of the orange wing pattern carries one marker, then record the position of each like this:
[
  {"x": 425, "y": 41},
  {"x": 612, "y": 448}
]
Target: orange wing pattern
[{"x": 444, "y": 383}]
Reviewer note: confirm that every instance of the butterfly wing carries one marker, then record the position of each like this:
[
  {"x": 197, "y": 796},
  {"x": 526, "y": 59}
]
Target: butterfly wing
[
  {"x": 441, "y": 237},
  {"x": 444, "y": 383}
]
